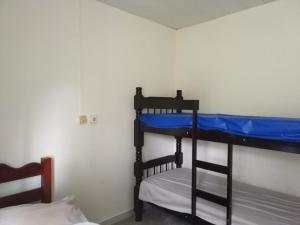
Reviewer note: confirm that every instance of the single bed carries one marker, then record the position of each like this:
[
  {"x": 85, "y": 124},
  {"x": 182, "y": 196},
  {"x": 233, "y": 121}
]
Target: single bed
[
  {"x": 251, "y": 205},
  {"x": 25, "y": 208}
]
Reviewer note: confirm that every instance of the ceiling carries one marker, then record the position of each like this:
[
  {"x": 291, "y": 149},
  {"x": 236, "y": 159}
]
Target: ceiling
[{"x": 182, "y": 13}]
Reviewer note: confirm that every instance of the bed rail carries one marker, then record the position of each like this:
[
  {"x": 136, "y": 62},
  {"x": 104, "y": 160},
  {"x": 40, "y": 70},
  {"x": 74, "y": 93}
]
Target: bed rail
[{"x": 159, "y": 165}]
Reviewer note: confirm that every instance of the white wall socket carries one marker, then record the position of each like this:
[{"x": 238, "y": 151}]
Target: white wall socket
[{"x": 92, "y": 119}]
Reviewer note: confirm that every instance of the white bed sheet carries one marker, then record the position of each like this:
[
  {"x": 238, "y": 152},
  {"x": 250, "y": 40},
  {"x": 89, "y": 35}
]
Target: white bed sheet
[
  {"x": 62, "y": 212},
  {"x": 251, "y": 205}
]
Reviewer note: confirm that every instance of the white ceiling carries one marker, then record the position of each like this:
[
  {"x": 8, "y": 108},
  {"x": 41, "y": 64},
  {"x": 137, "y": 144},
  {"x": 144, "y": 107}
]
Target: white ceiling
[{"x": 182, "y": 13}]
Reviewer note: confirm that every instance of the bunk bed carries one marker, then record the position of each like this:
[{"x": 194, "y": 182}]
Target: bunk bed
[{"x": 202, "y": 197}]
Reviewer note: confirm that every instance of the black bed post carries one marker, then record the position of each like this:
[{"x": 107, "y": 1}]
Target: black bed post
[
  {"x": 138, "y": 165},
  {"x": 194, "y": 166},
  {"x": 178, "y": 154},
  {"x": 229, "y": 185}
]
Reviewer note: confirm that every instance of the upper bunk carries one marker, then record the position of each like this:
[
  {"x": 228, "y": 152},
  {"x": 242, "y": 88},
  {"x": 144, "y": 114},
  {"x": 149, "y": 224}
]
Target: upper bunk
[{"x": 170, "y": 116}]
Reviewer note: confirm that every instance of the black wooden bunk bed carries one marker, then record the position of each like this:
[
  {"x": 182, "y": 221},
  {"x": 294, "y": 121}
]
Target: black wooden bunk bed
[{"x": 178, "y": 106}]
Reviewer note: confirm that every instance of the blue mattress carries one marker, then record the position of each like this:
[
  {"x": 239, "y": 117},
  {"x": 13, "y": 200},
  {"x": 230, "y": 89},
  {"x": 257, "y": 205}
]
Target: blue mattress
[{"x": 281, "y": 129}]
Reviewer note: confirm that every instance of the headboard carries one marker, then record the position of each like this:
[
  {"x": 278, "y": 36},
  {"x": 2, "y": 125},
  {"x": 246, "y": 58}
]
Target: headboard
[{"x": 43, "y": 193}]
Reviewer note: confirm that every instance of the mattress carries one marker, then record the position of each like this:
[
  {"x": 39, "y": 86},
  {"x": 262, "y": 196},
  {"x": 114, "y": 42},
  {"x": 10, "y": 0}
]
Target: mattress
[
  {"x": 251, "y": 205},
  {"x": 62, "y": 212},
  {"x": 281, "y": 129}
]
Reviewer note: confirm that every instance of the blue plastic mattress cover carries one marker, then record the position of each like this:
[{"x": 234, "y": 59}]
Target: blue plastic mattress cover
[{"x": 281, "y": 129}]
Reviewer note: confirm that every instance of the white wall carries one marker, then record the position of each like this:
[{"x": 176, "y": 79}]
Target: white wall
[
  {"x": 248, "y": 64},
  {"x": 59, "y": 58},
  {"x": 119, "y": 53},
  {"x": 39, "y": 89}
]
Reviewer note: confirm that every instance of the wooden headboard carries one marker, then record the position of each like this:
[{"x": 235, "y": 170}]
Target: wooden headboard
[{"x": 43, "y": 193}]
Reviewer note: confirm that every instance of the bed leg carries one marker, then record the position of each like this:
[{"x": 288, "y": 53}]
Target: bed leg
[
  {"x": 138, "y": 205},
  {"x": 178, "y": 153}
]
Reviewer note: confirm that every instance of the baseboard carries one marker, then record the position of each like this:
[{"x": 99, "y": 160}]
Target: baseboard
[{"x": 117, "y": 218}]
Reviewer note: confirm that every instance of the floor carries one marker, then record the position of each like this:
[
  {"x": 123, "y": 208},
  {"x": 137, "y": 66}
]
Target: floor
[{"x": 155, "y": 216}]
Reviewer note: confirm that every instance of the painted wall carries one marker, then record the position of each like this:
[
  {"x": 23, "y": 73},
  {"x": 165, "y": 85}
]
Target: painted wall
[
  {"x": 60, "y": 58},
  {"x": 248, "y": 64},
  {"x": 39, "y": 83},
  {"x": 119, "y": 53}
]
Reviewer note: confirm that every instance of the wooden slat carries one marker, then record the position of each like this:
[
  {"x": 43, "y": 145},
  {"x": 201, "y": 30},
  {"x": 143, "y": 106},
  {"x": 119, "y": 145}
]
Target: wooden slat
[
  {"x": 8, "y": 173},
  {"x": 158, "y": 161},
  {"x": 212, "y": 167},
  {"x": 162, "y": 103},
  {"x": 21, "y": 198},
  {"x": 211, "y": 197}
]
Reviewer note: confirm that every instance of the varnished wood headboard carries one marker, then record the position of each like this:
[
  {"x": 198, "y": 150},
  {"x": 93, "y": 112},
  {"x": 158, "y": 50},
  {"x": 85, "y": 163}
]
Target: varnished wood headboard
[{"x": 43, "y": 193}]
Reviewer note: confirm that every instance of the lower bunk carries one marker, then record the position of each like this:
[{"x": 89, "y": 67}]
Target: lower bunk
[{"x": 251, "y": 205}]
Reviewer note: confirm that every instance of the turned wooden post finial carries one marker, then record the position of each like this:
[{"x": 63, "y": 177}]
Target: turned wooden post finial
[
  {"x": 179, "y": 94},
  {"x": 139, "y": 91}
]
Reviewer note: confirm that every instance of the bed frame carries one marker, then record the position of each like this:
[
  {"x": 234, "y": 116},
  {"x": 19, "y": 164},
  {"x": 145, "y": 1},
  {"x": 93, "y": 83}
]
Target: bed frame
[
  {"x": 176, "y": 105},
  {"x": 43, "y": 193}
]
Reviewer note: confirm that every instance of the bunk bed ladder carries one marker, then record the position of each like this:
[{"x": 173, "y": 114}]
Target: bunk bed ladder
[{"x": 226, "y": 170}]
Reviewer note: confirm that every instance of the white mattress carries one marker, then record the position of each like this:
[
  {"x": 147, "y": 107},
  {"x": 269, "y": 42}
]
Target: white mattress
[
  {"x": 61, "y": 212},
  {"x": 251, "y": 205}
]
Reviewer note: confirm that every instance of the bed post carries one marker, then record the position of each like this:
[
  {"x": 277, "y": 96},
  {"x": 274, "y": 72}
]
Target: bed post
[
  {"x": 138, "y": 165},
  {"x": 178, "y": 154},
  {"x": 194, "y": 163},
  {"x": 46, "y": 177},
  {"x": 229, "y": 185}
]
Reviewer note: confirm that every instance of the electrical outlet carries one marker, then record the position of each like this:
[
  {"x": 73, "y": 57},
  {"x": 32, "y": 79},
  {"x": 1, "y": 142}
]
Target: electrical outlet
[
  {"x": 82, "y": 119},
  {"x": 93, "y": 119}
]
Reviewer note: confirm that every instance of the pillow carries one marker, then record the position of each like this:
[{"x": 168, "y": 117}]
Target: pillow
[{"x": 62, "y": 212}]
